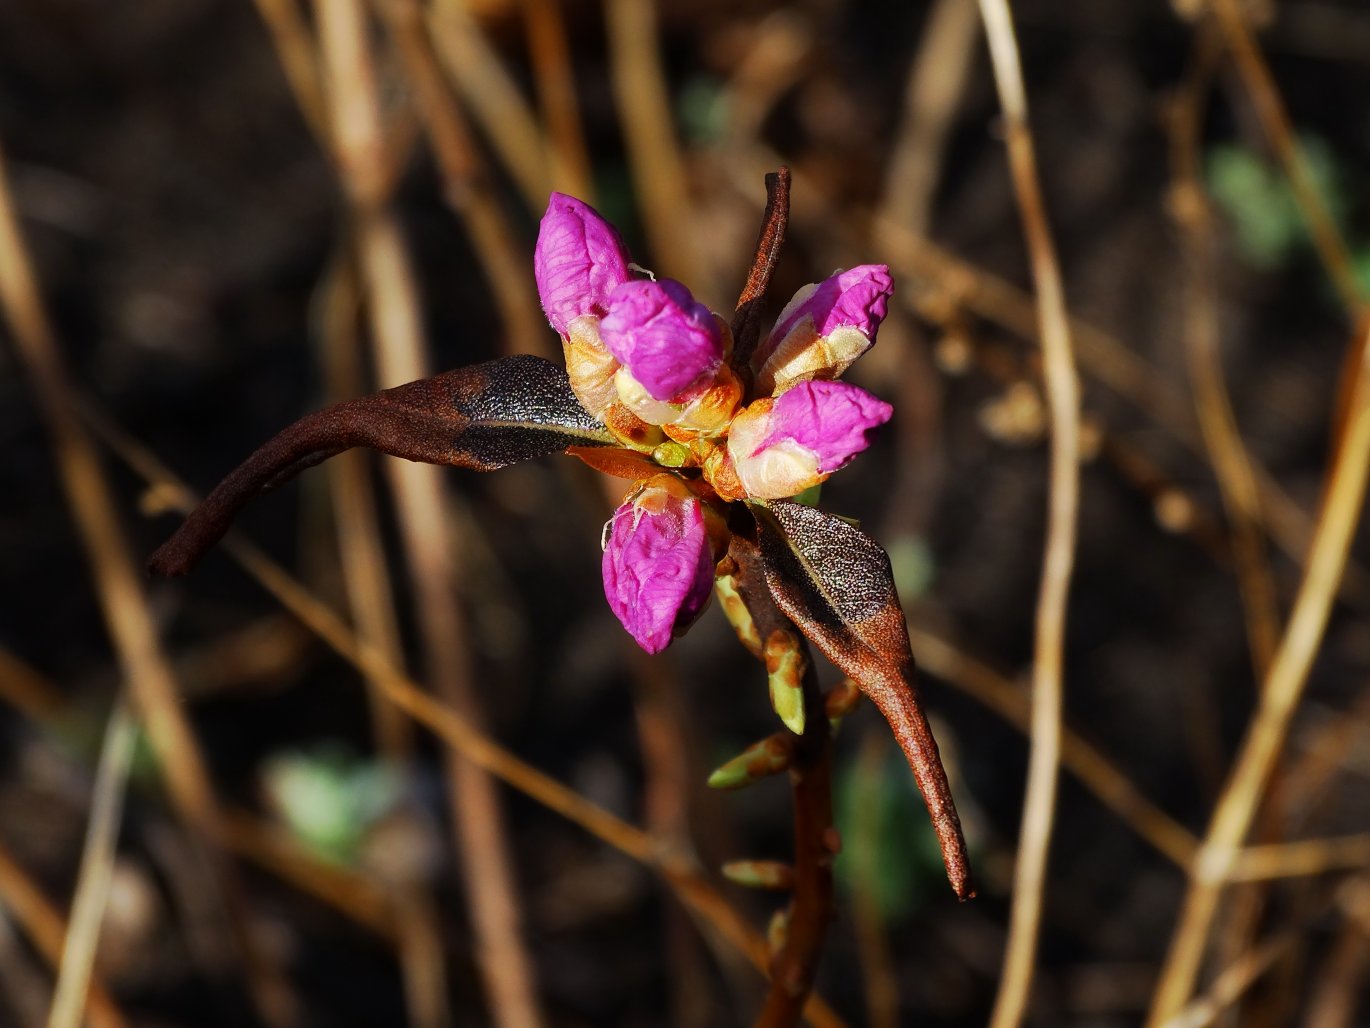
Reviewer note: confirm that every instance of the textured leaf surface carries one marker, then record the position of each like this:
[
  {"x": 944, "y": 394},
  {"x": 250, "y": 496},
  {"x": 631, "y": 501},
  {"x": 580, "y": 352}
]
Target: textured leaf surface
[
  {"x": 835, "y": 583},
  {"x": 484, "y": 417}
]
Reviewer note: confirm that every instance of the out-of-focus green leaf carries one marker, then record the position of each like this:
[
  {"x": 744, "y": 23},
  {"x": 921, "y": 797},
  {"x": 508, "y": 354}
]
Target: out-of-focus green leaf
[
  {"x": 1256, "y": 197},
  {"x": 329, "y": 798},
  {"x": 888, "y": 848},
  {"x": 703, "y": 109},
  {"x": 914, "y": 566}
]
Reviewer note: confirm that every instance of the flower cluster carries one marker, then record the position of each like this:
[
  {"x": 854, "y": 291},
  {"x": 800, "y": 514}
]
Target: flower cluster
[{"x": 657, "y": 368}]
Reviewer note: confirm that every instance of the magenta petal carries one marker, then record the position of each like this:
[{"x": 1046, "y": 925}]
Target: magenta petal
[
  {"x": 858, "y": 297},
  {"x": 833, "y": 420},
  {"x": 578, "y": 261},
  {"x": 658, "y": 566},
  {"x": 666, "y": 340}
]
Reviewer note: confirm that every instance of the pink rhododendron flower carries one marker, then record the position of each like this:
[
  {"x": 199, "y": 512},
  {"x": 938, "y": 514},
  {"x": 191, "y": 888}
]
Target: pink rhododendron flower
[
  {"x": 658, "y": 561},
  {"x": 643, "y": 353},
  {"x": 824, "y": 328},
  {"x": 783, "y": 446}
]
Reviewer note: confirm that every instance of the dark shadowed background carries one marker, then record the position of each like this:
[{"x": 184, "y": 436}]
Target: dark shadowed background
[{"x": 202, "y": 264}]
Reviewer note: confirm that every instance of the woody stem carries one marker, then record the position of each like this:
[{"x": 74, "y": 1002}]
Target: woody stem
[{"x": 795, "y": 961}]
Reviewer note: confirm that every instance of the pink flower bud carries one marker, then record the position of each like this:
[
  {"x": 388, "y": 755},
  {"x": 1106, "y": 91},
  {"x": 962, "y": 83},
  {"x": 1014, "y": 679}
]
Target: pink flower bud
[
  {"x": 824, "y": 328},
  {"x": 658, "y": 561},
  {"x": 666, "y": 340},
  {"x": 783, "y": 446},
  {"x": 578, "y": 261}
]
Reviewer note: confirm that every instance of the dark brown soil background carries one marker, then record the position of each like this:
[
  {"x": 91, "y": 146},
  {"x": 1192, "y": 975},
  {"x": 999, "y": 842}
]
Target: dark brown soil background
[{"x": 182, "y": 217}]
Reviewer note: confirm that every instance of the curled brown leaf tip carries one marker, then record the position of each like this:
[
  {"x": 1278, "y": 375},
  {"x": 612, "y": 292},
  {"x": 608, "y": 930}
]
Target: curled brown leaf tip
[
  {"x": 746, "y": 325},
  {"x": 483, "y": 417},
  {"x": 835, "y": 583}
]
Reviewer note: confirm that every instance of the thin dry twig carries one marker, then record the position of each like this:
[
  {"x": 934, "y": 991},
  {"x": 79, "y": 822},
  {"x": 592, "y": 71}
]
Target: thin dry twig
[
  {"x": 1232, "y": 982},
  {"x": 1337, "y": 991},
  {"x": 295, "y": 50},
  {"x": 24, "y": 901},
  {"x": 1063, "y": 402},
  {"x": 1297, "y": 859},
  {"x": 1226, "y": 451},
  {"x": 1280, "y": 692},
  {"x": 937, "y": 80},
  {"x": 545, "y": 25},
  {"x": 97, "y": 868},
  {"x": 1265, "y": 97},
  {"x": 504, "y": 115},
  {"x": 467, "y": 184},
  {"x": 1101, "y": 353},
  {"x": 400, "y": 354},
  {"x": 1110, "y": 786},
  {"x": 121, "y": 593},
  {"x": 644, "y": 107},
  {"x": 678, "y": 872},
  {"x": 23, "y": 688}
]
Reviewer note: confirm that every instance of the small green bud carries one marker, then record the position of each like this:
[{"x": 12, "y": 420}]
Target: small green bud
[
  {"x": 671, "y": 454},
  {"x": 760, "y": 874},
  {"x": 785, "y": 673},
  {"x": 768, "y": 757}
]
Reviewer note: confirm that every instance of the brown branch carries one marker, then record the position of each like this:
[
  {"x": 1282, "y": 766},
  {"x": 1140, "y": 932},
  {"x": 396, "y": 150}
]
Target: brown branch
[
  {"x": 1063, "y": 399},
  {"x": 794, "y": 964}
]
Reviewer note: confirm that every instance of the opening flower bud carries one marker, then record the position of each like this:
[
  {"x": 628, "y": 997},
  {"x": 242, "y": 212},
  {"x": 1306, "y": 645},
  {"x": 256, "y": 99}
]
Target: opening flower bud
[
  {"x": 659, "y": 561},
  {"x": 590, "y": 367},
  {"x": 824, "y": 328},
  {"x": 578, "y": 261},
  {"x": 784, "y": 445},
  {"x": 667, "y": 341}
]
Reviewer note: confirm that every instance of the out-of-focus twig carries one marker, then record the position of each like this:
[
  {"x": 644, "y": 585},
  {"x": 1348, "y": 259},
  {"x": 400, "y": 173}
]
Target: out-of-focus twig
[
  {"x": 295, "y": 50},
  {"x": 467, "y": 185},
  {"x": 97, "y": 869},
  {"x": 392, "y": 305},
  {"x": 939, "y": 271},
  {"x": 34, "y": 912},
  {"x": 1096, "y": 773},
  {"x": 644, "y": 107},
  {"x": 1280, "y": 693},
  {"x": 937, "y": 79},
  {"x": 122, "y": 595},
  {"x": 1265, "y": 97},
  {"x": 1231, "y": 982},
  {"x": 1306, "y": 857},
  {"x": 545, "y": 24},
  {"x": 1063, "y": 402},
  {"x": 502, "y": 112},
  {"x": 1340, "y": 980},
  {"x": 878, "y": 974},
  {"x": 26, "y": 690},
  {"x": 679, "y": 873},
  {"x": 1226, "y": 451}
]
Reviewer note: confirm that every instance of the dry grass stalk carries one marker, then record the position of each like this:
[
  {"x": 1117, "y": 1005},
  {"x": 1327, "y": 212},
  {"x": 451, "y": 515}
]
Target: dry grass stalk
[
  {"x": 24, "y": 901},
  {"x": 400, "y": 354},
  {"x": 644, "y": 108},
  {"x": 97, "y": 869},
  {"x": 1281, "y": 690},
  {"x": 1227, "y": 452},
  {"x": 122, "y": 594},
  {"x": 1063, "y": 401}
]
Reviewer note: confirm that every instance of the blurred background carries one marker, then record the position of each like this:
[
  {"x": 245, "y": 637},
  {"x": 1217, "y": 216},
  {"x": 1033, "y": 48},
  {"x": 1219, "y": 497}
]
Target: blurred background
[{"x": 239, "y": 212}]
